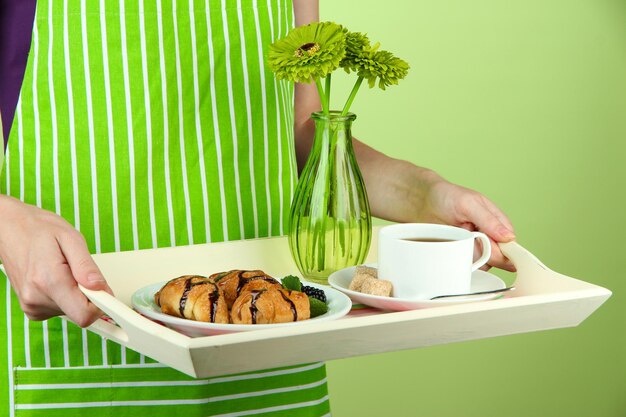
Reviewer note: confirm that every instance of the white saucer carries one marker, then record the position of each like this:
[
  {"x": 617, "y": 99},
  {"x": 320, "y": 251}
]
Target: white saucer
[
  {"x": 481, "y": 281},
  {"x": 143, "y": 301}
]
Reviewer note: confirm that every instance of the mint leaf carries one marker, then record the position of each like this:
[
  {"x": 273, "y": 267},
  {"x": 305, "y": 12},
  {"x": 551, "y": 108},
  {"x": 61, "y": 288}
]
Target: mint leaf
[
  {"x": 317, "y": 307},
  {"x": 292, "y": 282}
]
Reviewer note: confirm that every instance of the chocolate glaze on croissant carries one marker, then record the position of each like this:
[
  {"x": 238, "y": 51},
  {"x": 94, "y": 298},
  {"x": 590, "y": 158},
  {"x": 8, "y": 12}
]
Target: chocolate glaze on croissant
[
  {"x": 193, "y": 297},
  {"x": 271, "y": 305},
  {"x": 235, "y": 282}
]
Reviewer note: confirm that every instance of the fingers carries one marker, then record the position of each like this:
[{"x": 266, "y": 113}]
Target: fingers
[
  {"x": 47, "y": 289},
  {"x": 491, "y": 221},
  {"x": 498, "y": 227},
  {"x": 53, "y": 289},
  {"x": 81, "y": 264},
  {"x": 80, "y": 268},
  {"x": 498, "y": 260},
  {"x": 45, "y": 259},
  {"x": 35, "y": 303},
  {"x": 474, "y": 208},
  {"x": 63, "y": 290}
]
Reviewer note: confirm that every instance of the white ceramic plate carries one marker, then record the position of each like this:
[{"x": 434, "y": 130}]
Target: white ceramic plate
[
  {"x": 143, "y": 301},
  {"x": 481, "y": 281}
]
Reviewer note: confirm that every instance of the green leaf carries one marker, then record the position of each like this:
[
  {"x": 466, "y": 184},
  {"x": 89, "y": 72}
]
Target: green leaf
[
  {"x": 317, "y": 307},
  {"x": 292, "y": 282}
]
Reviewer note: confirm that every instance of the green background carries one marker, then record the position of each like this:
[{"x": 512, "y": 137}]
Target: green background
[{"x": 524, "y": 101}]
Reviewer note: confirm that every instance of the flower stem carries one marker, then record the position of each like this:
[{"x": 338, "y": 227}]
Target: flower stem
[
  {"x": 323, "y": 97},
  {"x": 355, "y": 89},
  {"x": 328, "y": 92}
]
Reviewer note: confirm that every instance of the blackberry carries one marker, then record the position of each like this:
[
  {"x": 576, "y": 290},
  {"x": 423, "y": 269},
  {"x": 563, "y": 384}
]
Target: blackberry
[{"x": 314, "y": 293}]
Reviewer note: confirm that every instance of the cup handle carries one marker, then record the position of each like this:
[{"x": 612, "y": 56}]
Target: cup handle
[{"x": 486, "y": 250}]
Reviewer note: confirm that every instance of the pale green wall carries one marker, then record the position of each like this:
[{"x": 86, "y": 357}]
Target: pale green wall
[{"x": 526, "y": 102}]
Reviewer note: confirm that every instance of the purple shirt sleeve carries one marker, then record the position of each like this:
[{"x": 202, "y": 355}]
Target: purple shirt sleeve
[{"x": 16, "y": 25}]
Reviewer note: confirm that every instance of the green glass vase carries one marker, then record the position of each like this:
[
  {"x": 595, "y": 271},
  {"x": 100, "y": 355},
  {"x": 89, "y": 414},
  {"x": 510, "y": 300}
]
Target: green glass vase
[{"x": 330, "y": 225}]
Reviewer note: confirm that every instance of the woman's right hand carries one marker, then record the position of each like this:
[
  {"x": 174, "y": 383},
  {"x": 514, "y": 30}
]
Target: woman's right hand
[{"x": 45, "y": 259}]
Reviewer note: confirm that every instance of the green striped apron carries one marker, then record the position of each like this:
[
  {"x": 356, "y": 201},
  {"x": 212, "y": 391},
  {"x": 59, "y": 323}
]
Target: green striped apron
[{"x": 149, "y": 124}]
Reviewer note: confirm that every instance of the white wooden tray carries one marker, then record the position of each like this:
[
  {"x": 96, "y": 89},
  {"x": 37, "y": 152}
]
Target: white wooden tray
[{"x": 542, "y": 300}]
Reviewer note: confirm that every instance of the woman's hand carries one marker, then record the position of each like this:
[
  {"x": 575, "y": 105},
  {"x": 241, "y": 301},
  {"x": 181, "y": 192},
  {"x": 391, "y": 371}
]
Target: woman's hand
[
  {"x": 448, "y": 203},
  {"x": 45, "y": 258}
]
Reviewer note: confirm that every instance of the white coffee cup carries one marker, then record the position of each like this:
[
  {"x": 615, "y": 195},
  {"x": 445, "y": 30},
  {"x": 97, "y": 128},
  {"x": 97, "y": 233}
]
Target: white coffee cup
[{"x": 425, "y": 260}]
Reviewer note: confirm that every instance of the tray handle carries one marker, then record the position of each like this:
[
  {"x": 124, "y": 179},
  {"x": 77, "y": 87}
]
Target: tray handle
[
  {"x": 534, "y": 277},
  {"x": 137, "y": 332}
]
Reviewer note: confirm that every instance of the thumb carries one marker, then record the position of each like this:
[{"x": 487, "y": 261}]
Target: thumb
[{"x": 82, "y": 265}]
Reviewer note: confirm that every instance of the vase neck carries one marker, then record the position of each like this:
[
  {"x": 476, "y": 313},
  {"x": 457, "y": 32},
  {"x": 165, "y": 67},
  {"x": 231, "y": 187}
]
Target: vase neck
[
  {"x": 332, "y": 129},
  {"x": 333, "y": 118}
]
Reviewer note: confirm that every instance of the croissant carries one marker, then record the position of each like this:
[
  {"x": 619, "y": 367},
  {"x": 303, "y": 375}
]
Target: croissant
[
  {"x": 232, "y": 283},
  {"x": 193, "y": 297},
  {"x": 271, "y": 305}
]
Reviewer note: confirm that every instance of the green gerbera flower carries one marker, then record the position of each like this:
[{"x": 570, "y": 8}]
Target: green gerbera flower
[
  {"x": 357, "y": 44},
  {"x": 308, "y": 52},
  {"x": 382, "y": 66}
]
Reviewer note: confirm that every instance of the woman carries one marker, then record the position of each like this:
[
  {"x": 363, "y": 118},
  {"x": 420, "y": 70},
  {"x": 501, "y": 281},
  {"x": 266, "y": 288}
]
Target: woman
[{"x": 149, "y": 125}]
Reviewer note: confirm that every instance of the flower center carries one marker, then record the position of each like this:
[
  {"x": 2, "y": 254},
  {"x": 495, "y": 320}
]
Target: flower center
[{"x": 308, "y": 48}]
